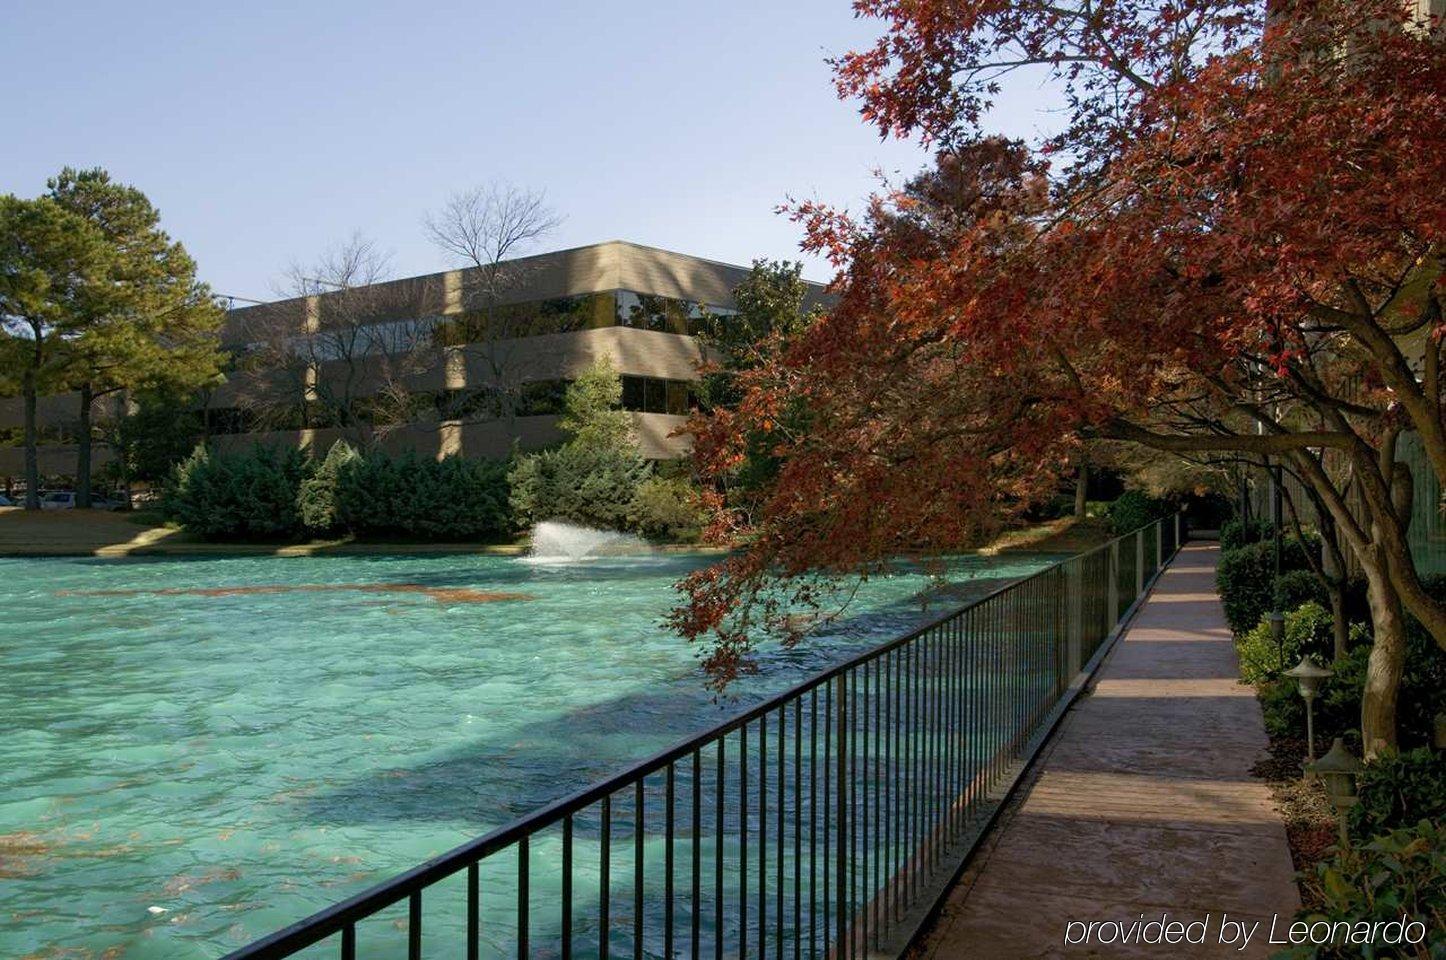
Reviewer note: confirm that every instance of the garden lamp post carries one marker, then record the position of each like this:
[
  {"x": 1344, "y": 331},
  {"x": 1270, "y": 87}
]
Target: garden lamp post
[
  {"x": 1337, "y": 771},
  {"x": 1308, "y": 678}
]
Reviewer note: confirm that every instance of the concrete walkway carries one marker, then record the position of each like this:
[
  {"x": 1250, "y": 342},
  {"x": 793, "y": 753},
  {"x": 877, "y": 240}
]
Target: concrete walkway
[{"x": 1142, "y": 804}]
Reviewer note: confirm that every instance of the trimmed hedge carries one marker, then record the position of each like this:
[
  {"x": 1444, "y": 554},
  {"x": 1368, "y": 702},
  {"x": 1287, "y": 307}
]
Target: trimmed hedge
[
  {"x": 1246, "y": 579},
  {"x": 1236, "y": 532}
]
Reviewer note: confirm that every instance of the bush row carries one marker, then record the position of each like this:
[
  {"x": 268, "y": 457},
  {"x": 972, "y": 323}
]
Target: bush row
[
  {"x": 264, "y": 494},
  {"x": 1397, "y": 861},
  {"x": 1238, "y": 532},
  {"x": 1248, "y": 585}
]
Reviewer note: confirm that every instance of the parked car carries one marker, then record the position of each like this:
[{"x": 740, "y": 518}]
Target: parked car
[{"x": 66, "y": 500}]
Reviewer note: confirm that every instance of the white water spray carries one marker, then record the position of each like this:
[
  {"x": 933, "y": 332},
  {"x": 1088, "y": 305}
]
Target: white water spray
[{"x": 557, "y": 542}]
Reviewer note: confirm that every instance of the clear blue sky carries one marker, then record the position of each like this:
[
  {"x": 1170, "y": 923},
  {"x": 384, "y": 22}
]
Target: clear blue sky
[{"x": 268, "y": 131}]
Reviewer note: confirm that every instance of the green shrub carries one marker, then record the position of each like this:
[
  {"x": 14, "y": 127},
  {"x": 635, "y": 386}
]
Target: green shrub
[
  {"x": 245, "y": 496},
  {"x": 1283, "y": 710},
  {"x": 1297, "y": 587},
  {"x": 1246, "y": 579},
  {"x": 316, "y": 500},
  {"x": 1421, "y": 695},
  {"x": 1397, "y": 790},
  {"x": 1236, "y": 532},
  {"x": 1307, "y": 633},
  {"x": 1423, "y": 682},
  {"x": 1399, "y": 873},
  {"x": 667, "y": 509},
  {"x": 1133, "y": 509},
  {"x": 449, "y": 499},
  {"x": 1337, "y": 706},
  {"x": 591, "y": 485}
]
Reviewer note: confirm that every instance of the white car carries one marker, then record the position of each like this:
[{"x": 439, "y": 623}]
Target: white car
[{"x": 66, "y": 500}]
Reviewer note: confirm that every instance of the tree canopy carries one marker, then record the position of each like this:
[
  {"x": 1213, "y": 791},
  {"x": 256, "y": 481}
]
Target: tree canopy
[{"x": 1233, "y": 247}]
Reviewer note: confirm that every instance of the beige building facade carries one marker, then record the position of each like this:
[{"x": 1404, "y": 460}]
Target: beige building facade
[{"x": 465, "y": 361}]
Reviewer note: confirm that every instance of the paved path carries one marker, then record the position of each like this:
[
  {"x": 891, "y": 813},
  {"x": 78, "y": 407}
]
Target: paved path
[{"x": 1143, "y": 803}]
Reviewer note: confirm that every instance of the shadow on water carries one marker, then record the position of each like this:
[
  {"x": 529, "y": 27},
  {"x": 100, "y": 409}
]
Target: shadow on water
[{"x": 496, "y": 779}]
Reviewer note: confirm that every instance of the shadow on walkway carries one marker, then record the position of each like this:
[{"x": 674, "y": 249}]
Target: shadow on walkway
[{"x": 1143, "y": 803}]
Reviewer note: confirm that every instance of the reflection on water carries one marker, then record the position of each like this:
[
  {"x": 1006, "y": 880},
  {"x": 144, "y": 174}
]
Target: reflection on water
[{"x": 194, "y": 752}]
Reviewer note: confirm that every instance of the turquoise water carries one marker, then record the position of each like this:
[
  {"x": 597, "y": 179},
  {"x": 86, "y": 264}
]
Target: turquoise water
[{"x": 194, "y": 752}]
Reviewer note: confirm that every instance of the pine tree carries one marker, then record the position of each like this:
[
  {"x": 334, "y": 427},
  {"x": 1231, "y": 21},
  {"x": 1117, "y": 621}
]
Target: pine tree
[
  {"x": 154, "y": 328},
  {"x": 53, "y": 265}
]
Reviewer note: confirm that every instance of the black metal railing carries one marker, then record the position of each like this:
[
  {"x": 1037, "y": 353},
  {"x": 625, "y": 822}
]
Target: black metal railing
[{"x": 815, "y": 824}]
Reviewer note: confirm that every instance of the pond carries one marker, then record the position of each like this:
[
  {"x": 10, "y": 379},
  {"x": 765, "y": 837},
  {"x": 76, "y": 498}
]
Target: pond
[{"x": 194, "y": 752}]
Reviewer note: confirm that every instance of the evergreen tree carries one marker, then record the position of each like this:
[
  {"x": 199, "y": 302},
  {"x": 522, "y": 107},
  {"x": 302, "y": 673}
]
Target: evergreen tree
[
  {"x": 592, "y": 414},
  {"x": 53, "y": 268},
  {"x": 156, "y": 326}
]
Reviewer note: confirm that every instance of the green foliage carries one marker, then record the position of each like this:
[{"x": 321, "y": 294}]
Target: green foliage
[
  {"x": 1307, "y": 633},
  {"x": 1421, "y": 695},
  {"x": 770, "y": 310},
  {"x": 1398, "y": 873},
  {"x": 54, "y": 268},
  {"x": 1423, "y": 681},
  {"x": 317, "y": 497},
  {"x": 591, "y": 485},
  {"x": 1398, "y": 790},
  {"x": 667, "y": 509},
  {"x": 408, "y": 496},
  {"x": 247, "y": 496},
  {"x": 1283, "y": 710},
  {"x": 268, "y": 495},
  {"x": 1237, "y": 532},
  {"x": 592, "y": 414},
  {"x": 598, "y": 477},
  {"x": 769, "y": 305},
  {"x": 148, "y": 442},
  {"x": 1245, "y": 579},
  {"x": 1296, "y": 587},
  {"x": 1133, "y": 509}
]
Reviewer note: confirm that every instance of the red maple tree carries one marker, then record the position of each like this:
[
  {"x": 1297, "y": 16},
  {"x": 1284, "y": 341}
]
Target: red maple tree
[{"x": 1233, "y": 246}]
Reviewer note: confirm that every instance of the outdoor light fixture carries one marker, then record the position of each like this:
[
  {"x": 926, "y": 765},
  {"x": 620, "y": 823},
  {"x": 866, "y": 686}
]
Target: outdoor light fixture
[
  {"x": 1308, "y": 678},
  {"x": 1337, "y": 771},
  {"x": 1276, "y": 619}
]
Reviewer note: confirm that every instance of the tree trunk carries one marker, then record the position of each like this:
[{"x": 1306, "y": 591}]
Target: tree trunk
[
  {"x": 1339, "y": 627},
  {"x": 83, "y": 448},
  {"x": 1081, "y": 489},
  {"x": 32, "y": 455},
  {"x": 1387, "y": 661}
]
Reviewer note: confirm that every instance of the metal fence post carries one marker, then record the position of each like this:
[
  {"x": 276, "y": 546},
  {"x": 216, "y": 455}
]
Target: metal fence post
[
  {"x": 1074, "y": 628},
  {"x": 1177, "y": 530},
  {"x": 1139, "y": 562},
  {"x": 1114, "y": 583},
  {"x": 1159, "y": 543}
]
